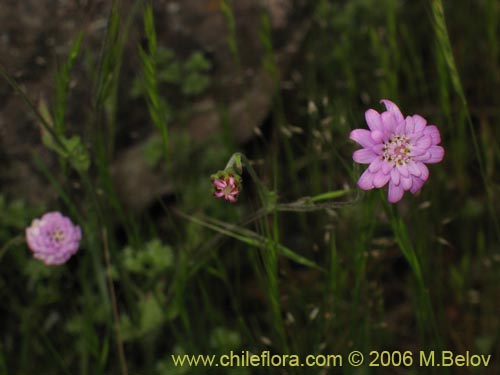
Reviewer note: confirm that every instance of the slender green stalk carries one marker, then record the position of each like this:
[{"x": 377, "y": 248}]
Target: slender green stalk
[
  {"x": 359, "y": 326},
  {"x": 63, "y": 79},
  {"x": 426, "y": 316},
  {"x": 119, "y": 341},
  {"x": 248, "y": 237},
  {"x": 232, "y": 39},
  {"x": 444, "y": 44},
  {"x": 157, "y": 107},
  {"x": 271, "y": 244},
  {"x": 303, "y": 204}
]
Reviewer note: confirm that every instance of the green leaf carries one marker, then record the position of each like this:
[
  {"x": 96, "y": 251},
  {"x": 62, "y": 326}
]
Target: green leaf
[
  {"x": 70, "y": 149},
  {"x": 152, "y": 151},
  {"x": 152, "y": 316},
  {"x": 195, "y": 84},
  {"x": 197, "y": 63},
  {"x": 77, "y": 154},
  {"x": 149, "y": 261},
  {"x": 172, "y": 73}
]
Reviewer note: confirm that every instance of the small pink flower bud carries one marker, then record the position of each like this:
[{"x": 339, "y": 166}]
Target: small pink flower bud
[{"x": 227, "y": 185}]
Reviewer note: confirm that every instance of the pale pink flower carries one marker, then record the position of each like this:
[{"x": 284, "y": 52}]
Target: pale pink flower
[
  {"x": 53, "y": 238},
  {"x": 227, "y": 185},
  {"x": 397, "y": 150}
]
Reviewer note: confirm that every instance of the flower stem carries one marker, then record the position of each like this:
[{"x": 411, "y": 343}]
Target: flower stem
[
  {"x": 119, "y": 341},
  {"x": 403, "y": 240},
  {"x": 237, "y": 161},
  {"x": 303, "y": 204},
  {"x": 270, "y": 256}
]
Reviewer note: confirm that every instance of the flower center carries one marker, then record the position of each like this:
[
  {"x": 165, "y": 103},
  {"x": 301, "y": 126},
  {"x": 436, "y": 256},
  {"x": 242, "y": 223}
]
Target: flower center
[
  {"x": 397, "y": 150},
  {"x": 57, "y": 235},
  {"x": 227, "y": 190}
]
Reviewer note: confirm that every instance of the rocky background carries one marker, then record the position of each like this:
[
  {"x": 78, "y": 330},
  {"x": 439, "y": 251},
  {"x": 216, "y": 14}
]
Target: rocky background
[{"x": 35, "y": 38}]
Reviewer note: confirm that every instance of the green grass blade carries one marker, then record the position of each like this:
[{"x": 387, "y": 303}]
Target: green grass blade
[
  {"x": 444, "y": 44},
  {"x": 250, "y": 238},
  {"x": 63, "y": 79},
  {"x": 156, "y": 106}
]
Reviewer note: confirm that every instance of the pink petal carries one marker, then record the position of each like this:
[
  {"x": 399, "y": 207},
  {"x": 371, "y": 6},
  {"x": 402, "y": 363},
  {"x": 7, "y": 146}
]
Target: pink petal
[
  {"x": 377, "y": 149},
  {"x": 418, "y": 151},
  {"x": 393, "y": 108},
  {"x": 364, "y": 156},
  {"x": 423, "y": 157},
  {"x": 433, "y": 154},
  {"x": 410, "y": 125},
  {"x": 420, "y": 123},
  {"x": 406, "y": 183},
  {"x": 380, "y": 179},
  {"x": 400, "y": 129},
  {"x": 218, "y": 194},
  {"x": 395, "y": 192},
  {"x": 424, "y": 142},
  {"x": 52, "y": 216},
  {"x": 373, "y": 120},
  {"x": 230, "y": 198},
  {"x": 389, "y": 122},
  {"x": 375, "y": 165},
  {"x": 433, "y": 132},
  {"x": 363, "y": 137},
  {"x": 403, "y": 170},
  {"x": 417, "y": 184},
  {"x": 377, "y": 136},
  {"x": 436, "y": 154},
  {"x": 395, "y": 177},
  {"x": 365, "y": 182},
  {"x": 386, "y": 167},
  {"x": 231, "y": 180},
  {"x": 423, "y": 170},
  {"x": 415, "y": 137},
  {"x": 220, "y": 184},
  {"x": 413, "y": 169},
  {"x": 78, "y": 235}
]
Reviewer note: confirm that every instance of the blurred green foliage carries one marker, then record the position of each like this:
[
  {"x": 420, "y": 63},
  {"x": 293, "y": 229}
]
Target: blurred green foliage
[{"x": 190, "y": 77}]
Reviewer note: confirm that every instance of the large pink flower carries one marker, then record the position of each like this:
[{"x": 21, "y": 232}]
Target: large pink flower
[
  {"x": 53, "y": 238},
  {"x": 397, "y": 150}
]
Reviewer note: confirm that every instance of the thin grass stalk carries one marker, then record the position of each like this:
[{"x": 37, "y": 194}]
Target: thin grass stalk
[
  {"x": 63, "y": 79},
  {"x": 105, "y": 100},
  {"x": 156, "y": 105},
  {"x": 303, "y": 204},
  {"x": 427, "y": 317},
  {"x": 119, "y": 341},
  {"x": 358, "y": 328},
  {"x": 444, "y": 44},
  {"x": 226, "y": 7},
  {"x": 232, "y": 38},
  {"x": 492, "y": 21},
  {"x": 270, "y": 253},
  {"x": 108, "y": 73}
]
